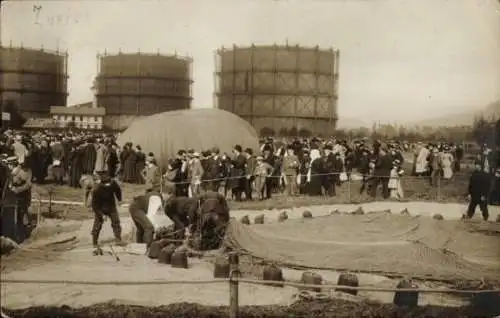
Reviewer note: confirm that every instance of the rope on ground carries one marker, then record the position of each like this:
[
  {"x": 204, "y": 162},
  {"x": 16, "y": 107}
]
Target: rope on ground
[{"x": 247, "y": 281}]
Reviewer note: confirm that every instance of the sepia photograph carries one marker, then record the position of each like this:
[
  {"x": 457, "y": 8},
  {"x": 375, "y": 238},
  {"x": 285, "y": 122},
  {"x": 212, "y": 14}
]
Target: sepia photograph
[{"x": 250, "y": 158}]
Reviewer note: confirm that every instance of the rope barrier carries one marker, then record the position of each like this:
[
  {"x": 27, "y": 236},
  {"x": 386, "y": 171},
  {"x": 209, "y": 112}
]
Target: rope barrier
[
  {"x": 357, "y": 174},
  {"x": 247, "y": 281}
]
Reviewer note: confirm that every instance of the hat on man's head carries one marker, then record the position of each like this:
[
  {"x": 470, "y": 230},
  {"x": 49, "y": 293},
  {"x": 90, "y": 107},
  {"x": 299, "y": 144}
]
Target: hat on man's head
[{"x": 12, "y": 160}]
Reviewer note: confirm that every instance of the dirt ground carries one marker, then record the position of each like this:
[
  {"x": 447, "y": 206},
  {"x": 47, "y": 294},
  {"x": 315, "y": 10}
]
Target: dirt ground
[
  {"x": 61, "y": 249},
  {"x": 313, "y": 309},
  {"x": 66, "y": 255}
]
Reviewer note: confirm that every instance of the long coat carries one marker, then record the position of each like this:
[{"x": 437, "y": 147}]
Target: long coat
[
  {"x": 237, "y": 172},
  {"x": 101, "y": 158},
  {"x": 129, "y": 166},
  {"x": 76, "y": 166},
  {"x": 89, "y": 157}
]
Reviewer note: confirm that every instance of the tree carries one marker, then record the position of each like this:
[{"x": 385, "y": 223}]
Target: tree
[
  {"x": 267, "y": 132},
  {"x": 482, "y": 131},
  {"x": 304, "y": 133},
  {"x": 283, "y": 132}
]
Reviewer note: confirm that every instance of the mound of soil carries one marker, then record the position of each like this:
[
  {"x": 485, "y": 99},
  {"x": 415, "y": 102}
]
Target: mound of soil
[{"x": 330, "y": 309}]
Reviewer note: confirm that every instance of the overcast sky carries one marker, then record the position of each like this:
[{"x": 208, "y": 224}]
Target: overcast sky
[{"x": 400, "y": 59}]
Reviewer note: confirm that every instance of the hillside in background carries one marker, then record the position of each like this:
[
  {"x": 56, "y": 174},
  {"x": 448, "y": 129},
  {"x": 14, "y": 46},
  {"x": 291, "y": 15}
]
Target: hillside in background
[
  {"x": 461, "y": 119},
  {"x": 351, "y": 123}
]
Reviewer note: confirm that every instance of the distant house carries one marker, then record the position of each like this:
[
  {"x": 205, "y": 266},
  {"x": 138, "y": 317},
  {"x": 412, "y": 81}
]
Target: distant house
[{"x": 81, "y": 116}]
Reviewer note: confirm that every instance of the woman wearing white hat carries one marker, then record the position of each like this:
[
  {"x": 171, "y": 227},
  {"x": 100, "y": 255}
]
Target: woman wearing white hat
[{"x": 195, "y": 173}]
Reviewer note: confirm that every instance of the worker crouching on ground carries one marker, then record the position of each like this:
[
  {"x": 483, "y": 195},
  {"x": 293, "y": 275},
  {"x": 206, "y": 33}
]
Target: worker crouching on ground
[
  {"x": 104, "y": 201},
  {"x": 479, "y": 190},
  {"x": 206, "y": 217},
  {"x": 138, "y": 210}
]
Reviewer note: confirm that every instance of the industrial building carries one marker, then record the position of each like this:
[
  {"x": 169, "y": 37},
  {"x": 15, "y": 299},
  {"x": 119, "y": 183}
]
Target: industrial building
[
  {"x": 280, "y": 90},
  {"x": 134, "y": 85},
  {"x": 82, "y": 116},
  {"x": 32, "y": 80}
]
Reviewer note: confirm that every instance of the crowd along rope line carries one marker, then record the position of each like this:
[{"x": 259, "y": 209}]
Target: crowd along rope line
[
  {"x": 244, "y": 280},
  {"x": 349, "y": 181},
  {"x": 359, "y": 175}
]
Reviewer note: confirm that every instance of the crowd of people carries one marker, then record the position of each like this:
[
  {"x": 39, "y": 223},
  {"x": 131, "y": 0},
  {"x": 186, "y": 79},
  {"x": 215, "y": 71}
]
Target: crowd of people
[
  {"x": 313, "y": 167},
  {"x": 278, "y": 166}
]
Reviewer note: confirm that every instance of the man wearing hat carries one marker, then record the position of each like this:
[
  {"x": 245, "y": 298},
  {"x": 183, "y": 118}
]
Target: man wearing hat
[
  {"x": 382, "y": 171},
  {"x": 195, "y": 174},
  {"x": 152, "y": 176},
  {"x": 104, "y": 198},
  {"x": 237, "y": 181},
  {"x": 215, "y": 170},
  {"x": 479, "y": 191},
  {"x": 290, "y": 169}
]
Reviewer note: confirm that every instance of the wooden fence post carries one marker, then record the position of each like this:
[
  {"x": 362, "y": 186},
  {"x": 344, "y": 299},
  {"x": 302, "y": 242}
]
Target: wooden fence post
[
  {"x": 349, "y": 198},
  {"x": 438, "y": 188},
  {"x": 233, "y": 284}
]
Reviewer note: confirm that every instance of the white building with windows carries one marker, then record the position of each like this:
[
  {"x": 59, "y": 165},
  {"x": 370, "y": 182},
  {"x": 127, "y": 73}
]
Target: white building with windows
[{"x": 81, "y": 116}]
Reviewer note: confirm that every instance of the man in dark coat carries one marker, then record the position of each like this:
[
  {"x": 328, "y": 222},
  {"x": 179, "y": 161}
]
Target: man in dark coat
[
  {"x": 104, "y": 198},
  {"x": 330, "y": 177},
  {"x": 364, "y": 169},
  {"x": 382, "y": 173},
  {"x": 479, "y": 190},
  {"x": 237, "y": 177},
  {"x": 270, "y": 159},
  {"x": 251, "y": 163}
]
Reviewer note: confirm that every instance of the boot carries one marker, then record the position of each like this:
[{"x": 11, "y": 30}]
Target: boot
[
  {"x": 120, "y": 242},
  {"x": 95, "y": 241}
]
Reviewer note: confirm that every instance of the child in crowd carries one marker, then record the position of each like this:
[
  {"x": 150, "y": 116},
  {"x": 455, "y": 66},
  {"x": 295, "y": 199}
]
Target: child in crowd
[{"x": 395, "y": 186}]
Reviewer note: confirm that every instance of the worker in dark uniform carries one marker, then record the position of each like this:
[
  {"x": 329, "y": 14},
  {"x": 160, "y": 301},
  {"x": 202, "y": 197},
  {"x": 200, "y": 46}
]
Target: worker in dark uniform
[
  {"x": 205, "y": 215},
  {"x": 479, "y": 190},
  {"x": 104, "y": 197},
  {"x": 138, "y": 210},
  {"x": 179, "y": 210}
]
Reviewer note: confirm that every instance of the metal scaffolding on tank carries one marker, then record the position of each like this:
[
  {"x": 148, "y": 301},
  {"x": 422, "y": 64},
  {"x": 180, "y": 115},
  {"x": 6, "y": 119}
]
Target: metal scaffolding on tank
[
  {"x": 128, "y": 85},
  {"x": 279, "y": 89},
  {"x": 33, "y": 80}
]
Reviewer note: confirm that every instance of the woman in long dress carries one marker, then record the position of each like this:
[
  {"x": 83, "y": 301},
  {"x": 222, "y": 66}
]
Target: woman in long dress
[
  {"x": 421, "y": 164},
  {"x": 447, "y": 164}
]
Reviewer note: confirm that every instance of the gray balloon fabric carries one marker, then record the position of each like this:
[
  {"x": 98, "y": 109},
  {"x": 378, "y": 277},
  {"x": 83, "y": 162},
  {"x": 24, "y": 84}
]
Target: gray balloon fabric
[{"x": 200, "y": 129}]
